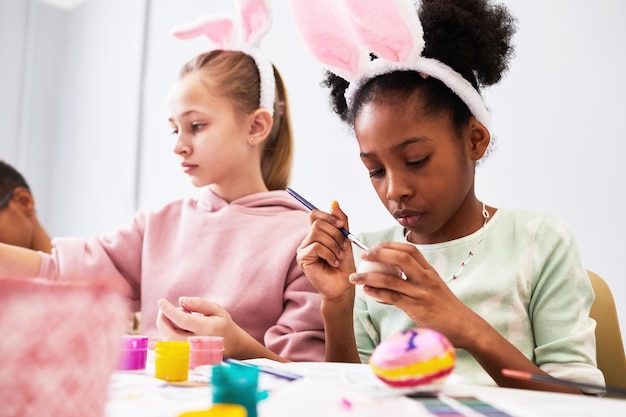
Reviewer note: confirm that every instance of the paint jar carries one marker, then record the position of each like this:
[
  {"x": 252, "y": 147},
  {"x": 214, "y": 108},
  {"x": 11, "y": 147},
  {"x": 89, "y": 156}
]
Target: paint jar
[
  {"x": 171, "y": 360},
  {"x": 236, "y": 384},
  {"x": 205, "y": 350},
  {"x": 219, "y": 410},
  {"x": 133, "y": 353}
]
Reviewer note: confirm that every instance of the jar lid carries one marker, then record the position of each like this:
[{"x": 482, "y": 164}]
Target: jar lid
[
  {"x": 219, "y": 410},
  {"x": 169, "y": 345},
  {"x": 206, "y": 342},
  {"x": 234, "y": 375},
  {"x": 134, "y": 342}
]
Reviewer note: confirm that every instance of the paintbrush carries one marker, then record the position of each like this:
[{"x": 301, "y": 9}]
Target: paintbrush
[
  {"x": 265, "y": 369},
  {"x": 527, "y": 376},
  {"x": 311, "y": 207}
]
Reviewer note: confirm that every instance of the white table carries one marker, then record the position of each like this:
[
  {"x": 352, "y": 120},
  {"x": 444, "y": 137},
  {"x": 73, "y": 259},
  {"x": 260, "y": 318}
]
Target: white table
[{"x": 350, "y": 390}]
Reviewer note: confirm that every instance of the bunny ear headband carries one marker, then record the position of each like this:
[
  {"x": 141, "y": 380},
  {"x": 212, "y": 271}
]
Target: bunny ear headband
[
  {"x": 222, "y": 32},
  {"x": 341, "y": 36}
]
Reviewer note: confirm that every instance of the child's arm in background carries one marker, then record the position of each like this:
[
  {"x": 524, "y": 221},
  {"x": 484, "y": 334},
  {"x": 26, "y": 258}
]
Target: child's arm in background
[{"x": 18, "y": 262}]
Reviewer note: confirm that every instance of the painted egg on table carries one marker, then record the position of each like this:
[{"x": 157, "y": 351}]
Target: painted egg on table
[{"x": 418, "y": 356}]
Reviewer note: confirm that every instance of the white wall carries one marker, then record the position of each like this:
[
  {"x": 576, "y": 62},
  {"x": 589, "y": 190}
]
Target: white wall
[
  {"x": 12, "y": 17},
  {"x": 98, "y": 143},
  {"x": 72, "y": 105}
]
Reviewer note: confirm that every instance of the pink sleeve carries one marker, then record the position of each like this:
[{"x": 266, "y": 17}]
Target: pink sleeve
[
  {"x": 299, "y": 332},
  {"x": 113, "y": 260}
]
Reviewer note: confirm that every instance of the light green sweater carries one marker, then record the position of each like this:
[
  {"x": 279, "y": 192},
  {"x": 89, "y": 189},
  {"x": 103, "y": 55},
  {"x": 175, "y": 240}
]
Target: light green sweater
[{"x": 526, "y": 279}]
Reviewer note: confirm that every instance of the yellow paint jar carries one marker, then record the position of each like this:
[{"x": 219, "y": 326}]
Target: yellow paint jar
[
  {"x": 171, "y": 360},
  {"x": 219, "y": 410}
]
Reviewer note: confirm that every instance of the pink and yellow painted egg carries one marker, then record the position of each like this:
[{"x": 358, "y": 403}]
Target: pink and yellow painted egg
[{"x": 415, "y": 357}]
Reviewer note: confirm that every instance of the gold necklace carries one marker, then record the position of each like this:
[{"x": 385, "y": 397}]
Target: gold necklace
[{"x": 470, "y": 254}]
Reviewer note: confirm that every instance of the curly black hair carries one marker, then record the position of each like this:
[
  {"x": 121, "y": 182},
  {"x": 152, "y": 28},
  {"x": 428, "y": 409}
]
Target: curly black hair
[
  {"x": 474, "y": 37},
  {"x": 471, "y": 36}
]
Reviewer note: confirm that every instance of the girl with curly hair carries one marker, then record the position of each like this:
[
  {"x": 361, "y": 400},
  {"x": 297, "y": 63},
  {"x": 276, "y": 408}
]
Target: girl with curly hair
[{"x": 409, "y": 84}]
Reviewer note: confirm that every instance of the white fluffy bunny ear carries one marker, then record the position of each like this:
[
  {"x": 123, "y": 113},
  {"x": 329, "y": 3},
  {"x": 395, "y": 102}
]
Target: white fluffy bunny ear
[
  {"x": 389, "y": 29},
  {"x": 328, "y": 36},
  {"x": 220, "y": 29},
  {"x": 255, "y": 20}
]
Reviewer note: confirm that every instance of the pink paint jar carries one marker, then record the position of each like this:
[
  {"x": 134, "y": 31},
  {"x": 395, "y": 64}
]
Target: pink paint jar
[
  {"x": 205, "y": 350},
  {"x": 133, "y": 353}
]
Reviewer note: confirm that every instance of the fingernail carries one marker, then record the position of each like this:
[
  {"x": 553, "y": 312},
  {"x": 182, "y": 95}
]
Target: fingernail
[
  {"x": 183, "y": 301},
  {"x": 354, "y": 278},
  {"x": 334, "y": 204},
  {"x": 161, "y": 303}
]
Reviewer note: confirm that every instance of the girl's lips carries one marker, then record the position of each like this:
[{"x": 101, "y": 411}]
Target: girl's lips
[
  {"x": 407, "y": 221},
  {"x": 187, "y": 169},
  {"x": 407, "y": 218}
]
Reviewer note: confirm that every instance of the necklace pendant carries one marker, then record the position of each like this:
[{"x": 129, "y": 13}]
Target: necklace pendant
[{"x": 470, "y": 253}]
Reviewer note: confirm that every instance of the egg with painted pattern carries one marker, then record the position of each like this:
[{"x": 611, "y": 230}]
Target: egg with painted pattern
[{"x": 415, "y": 357}]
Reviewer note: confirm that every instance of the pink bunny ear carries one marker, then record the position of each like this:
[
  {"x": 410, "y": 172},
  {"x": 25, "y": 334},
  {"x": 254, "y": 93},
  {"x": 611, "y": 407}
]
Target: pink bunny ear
[
  {"x": 390, "y": 29},
  {"x": 220, "y": 29},
  {"x": 326, "y": 33},
  {"x": 255, "y": 20}
]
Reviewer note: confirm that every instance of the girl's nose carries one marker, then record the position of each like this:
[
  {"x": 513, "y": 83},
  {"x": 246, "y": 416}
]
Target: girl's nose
[
  {"x": 398, "y": 189},
  {"x": 180, "y": 146}
]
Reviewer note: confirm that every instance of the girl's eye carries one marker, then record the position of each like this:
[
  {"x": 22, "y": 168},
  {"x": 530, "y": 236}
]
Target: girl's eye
[
  {"x": 197, "y": 126},
  {"x": 376, "y": 173},
  {"x": 419, "y": 163}
]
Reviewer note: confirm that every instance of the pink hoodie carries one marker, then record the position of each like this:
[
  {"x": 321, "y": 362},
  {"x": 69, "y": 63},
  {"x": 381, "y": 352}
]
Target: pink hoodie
[{"x": 240, "y": 255}]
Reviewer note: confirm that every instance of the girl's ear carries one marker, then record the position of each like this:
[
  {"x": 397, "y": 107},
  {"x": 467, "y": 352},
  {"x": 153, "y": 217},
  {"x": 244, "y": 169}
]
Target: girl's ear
[
  {"x": 261, "y": 125},
  {"x": 24, "y": 200},
  {"x": 479, "y": 139}
]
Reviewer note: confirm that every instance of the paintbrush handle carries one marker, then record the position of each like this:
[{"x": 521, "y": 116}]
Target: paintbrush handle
[
  {"x": 527, "y": 376},
  {"x": 311, "y": 207},
  {"x": 266, "y": 369}
]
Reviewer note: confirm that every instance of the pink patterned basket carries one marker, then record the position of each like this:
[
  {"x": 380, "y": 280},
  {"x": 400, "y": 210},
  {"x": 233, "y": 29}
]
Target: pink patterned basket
[{"x": 59, "y": 344}]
